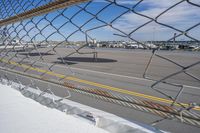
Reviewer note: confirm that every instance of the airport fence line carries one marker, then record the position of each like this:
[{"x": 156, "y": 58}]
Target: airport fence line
[{"x": 31, "y": 30}]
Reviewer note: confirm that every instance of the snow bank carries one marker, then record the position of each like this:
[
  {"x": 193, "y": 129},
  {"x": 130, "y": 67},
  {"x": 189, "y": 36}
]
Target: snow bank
[
  {"x": 20, "y": 114},
  {"x": 23, "y": 115}
]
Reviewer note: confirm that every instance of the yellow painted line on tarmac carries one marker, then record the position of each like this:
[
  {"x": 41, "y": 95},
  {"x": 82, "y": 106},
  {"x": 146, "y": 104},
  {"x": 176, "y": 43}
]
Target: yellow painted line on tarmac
[{"x": 97, "y": 84}]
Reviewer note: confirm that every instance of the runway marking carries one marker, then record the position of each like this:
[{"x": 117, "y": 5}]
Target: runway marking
[
  {"x": 125, "y": 76},
  {"x": 97, "y": 84},
  {"x": 111, "y": 74},
  {"x": 118, "y": 75}
]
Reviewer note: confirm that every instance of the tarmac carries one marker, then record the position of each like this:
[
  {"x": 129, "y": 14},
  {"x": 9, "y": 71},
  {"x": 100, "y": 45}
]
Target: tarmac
[{"x": 120, "y": 71}]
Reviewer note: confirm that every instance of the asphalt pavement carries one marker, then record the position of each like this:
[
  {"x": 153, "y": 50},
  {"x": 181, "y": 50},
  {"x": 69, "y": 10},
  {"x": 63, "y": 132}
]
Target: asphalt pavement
[{"x": 120, "y": 70}]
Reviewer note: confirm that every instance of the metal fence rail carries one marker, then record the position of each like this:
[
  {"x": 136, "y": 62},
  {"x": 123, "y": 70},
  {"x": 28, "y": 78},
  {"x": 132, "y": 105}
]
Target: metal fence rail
[{"x": 27, "y": 27}]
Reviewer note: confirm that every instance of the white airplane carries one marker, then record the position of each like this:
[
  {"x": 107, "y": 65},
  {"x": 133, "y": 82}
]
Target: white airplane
[{"x": 151, "y": 45}]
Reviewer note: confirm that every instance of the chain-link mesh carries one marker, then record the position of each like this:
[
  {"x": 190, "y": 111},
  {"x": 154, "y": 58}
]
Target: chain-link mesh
[{"x": 40, "y": 38}]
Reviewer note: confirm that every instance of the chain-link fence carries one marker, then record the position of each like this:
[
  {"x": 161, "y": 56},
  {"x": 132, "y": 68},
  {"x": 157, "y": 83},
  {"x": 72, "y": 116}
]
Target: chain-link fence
[{"x": 43, "y": 39}]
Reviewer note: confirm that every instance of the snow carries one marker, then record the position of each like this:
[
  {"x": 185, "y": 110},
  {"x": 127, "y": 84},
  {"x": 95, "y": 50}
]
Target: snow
[
  {"x": 19, "y": 114},
  {"x": 31, "y": 110}
]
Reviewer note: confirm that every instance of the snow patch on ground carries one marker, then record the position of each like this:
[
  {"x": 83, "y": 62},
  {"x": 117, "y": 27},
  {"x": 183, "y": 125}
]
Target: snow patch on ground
[{"x": 23, "y": 115}]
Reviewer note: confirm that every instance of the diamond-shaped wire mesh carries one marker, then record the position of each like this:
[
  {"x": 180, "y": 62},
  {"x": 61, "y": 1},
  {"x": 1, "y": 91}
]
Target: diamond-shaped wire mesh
[{"x": 37, "y": 45}]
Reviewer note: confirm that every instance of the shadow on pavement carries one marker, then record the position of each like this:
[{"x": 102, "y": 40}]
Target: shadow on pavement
[
  {"x": 37, "y": 54},
  {"x": 88, "y": 59}
]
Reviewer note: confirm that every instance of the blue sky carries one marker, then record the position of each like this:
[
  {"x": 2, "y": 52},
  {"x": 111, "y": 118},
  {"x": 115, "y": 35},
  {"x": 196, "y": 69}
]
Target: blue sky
[{"x": 183, "y": 16}]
